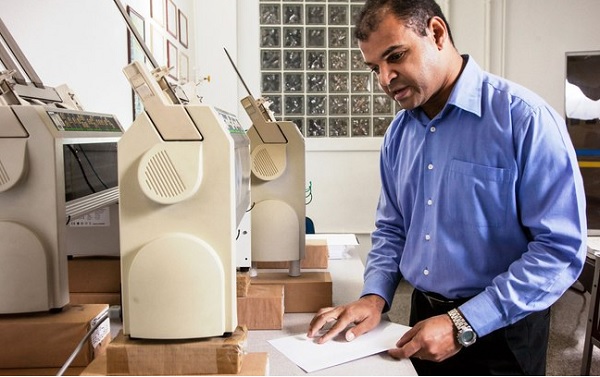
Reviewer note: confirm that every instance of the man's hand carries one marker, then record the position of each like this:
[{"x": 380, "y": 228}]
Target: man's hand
[
  {"x": 431, "y": 339},
  {"x": 365, "y": 313}
]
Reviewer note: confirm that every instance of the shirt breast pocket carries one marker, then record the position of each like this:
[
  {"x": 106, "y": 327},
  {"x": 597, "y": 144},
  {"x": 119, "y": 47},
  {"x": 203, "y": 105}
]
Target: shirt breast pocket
[{"x": 477, "y": 194}]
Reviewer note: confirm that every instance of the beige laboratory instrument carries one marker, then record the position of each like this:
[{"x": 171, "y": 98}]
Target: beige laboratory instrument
[
  {"x": 57, "y": 162},
  {"x": 278, "y": 185},
  {"x": 184, "y": 175}
]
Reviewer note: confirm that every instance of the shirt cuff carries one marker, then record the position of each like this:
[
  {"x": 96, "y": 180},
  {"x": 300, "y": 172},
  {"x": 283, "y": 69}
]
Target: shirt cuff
[
  {"x": 380, "y": 286},
  {"x": 481, "y": 313}
]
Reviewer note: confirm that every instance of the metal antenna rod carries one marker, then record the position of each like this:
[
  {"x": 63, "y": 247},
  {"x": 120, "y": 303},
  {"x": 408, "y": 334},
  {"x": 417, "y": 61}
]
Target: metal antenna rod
[
  {"x": 171, "y": 92},
  {"x": 9, "y": 63},
  {"x": 137, "y": 35},
  {"x": 238, "y": 73}
]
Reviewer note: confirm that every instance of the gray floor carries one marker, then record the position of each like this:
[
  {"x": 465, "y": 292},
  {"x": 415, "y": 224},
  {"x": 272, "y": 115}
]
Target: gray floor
[{"x": 565, "y": 349}]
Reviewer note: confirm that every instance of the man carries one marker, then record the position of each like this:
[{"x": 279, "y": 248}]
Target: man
[{"x": 482, "y": 208}]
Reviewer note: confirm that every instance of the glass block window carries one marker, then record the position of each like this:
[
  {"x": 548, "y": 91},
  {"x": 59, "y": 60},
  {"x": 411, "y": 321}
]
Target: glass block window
[{"x": 313, "y": 73}]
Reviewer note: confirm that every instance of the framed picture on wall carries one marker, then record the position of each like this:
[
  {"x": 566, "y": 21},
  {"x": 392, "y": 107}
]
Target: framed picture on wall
[
  {"x": 157, "y": 11},
  {"x": 135, "y": 52},
  {"x": 582, "y": 114},
  {"x": 183, "y": 29},
  {"x": 184, "y": 73},
  {"x": 157, "y": 45},
  {"x": 172, "y": 59},
  {"x": 172, "y": 18}
]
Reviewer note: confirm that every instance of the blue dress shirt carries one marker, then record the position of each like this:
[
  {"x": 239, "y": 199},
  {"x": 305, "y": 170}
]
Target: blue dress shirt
[{"x": 484, "y": 200}]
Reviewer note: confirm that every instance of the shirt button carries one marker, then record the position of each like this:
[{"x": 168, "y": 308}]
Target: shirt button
[
  {"x": 429, "y": 202},
  {"x": 430, "y": 166},
  {"x": 425, "y": 272},
  {"x": 432, "y": 129},
  {"x": 427, "y": 237}
]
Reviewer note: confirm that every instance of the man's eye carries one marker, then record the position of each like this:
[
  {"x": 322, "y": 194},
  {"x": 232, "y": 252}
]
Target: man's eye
[{"x": 395, "y": 57}]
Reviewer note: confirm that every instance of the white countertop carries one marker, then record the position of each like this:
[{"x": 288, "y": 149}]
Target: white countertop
[{"x": 347, "y": 280}]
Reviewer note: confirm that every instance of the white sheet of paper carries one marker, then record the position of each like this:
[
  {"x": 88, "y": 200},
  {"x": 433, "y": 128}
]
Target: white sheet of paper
[{"x": 310, "y": 356}]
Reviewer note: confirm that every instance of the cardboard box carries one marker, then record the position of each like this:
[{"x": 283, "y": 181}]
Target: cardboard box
[
  {"x": 242, "y": 283},
  {"x": 339, "y": 245},
  {"x": 94, "y": 274},
  {"x": 262, "y": 308},
  {"x": 253, "y": 364},
  {"x": 307, "y": 293},
  {"x": 73, "y": 371},
  {"x": 315, "y": 257},
  {"x": 217, "y": 355},
  {"x": 47, "y": 340},
  {"x": 95, "y": 298}
]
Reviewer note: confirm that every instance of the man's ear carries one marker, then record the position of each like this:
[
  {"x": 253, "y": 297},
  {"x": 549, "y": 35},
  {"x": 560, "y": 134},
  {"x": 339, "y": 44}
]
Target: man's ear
[{"x": 437, "y": 28}]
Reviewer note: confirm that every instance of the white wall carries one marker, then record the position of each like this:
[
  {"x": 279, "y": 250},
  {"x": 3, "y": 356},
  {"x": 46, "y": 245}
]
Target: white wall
[
  {"x": 216, "y": 29},
  {"x": 526, "y": 40},
  {"x": 82, "y": 43},
  {"x": 77, "y": 43},
  {"x": 539, "y": 33}
]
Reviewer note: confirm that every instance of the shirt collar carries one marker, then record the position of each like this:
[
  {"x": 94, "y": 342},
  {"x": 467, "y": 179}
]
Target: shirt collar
[{"x": 465, "y": 95}]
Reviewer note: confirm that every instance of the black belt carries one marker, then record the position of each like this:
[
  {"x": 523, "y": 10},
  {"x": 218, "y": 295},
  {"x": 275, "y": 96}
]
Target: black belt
[{"x": 436, "y": 300}]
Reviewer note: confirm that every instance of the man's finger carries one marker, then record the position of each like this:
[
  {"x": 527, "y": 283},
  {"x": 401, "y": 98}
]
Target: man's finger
[
  {"x": 339, "y": 326},
  {"x": 407, "y": 337},
  {"x": 359, "y": 329},
  {"x": 323, "y": 317},
  {"x": 409, "y": 349}
]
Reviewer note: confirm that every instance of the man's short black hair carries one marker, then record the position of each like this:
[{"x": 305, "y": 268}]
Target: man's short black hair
[{"x": 416, "y": 14}]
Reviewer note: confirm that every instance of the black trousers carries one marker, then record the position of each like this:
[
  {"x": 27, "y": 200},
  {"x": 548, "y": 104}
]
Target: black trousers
[{"x": 518, "y": 349}]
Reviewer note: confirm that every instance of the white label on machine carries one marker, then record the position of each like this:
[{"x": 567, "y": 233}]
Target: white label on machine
[{"x": 99, "y": 217}]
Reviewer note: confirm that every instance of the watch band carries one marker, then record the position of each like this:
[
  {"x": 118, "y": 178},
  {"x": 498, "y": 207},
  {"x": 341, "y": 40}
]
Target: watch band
[
  {"x": 459, "y": 321},
  {"x": 465, "y": 334}
]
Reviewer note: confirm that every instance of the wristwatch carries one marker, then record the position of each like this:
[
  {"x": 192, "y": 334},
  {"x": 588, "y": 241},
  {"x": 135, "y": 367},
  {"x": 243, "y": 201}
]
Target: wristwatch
[{"x": 465, "y": 334}]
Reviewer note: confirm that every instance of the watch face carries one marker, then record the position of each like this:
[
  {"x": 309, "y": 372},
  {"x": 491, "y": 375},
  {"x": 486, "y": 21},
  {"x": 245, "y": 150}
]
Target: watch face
[{"x": 467, "y": 337}]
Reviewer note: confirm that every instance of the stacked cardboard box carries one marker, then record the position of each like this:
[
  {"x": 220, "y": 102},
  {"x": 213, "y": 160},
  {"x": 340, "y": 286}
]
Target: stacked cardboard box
[
  {"x": 316, "y": 256},
  {"x": 253, "y": 364},
  {"x": 95, "y": 280},
  {"x": 242, "y": 283},
  {"x": 41, "y": 343},
  {"x": 209, "y": 356},
  {"x": 310, "y": 291},
  {"x": 263, "y": 300},
  {"x": 262, "y": 308},
  {"x": 306, "y": 293},
  {"x": 216, "y": 355}
]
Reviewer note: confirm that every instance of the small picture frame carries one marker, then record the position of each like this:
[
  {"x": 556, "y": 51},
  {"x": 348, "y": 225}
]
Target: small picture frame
[
  {"x": 157, "y": 45},
  {"x": 172, "y": 18},
  {"x": 183, "y": 29},
  {"x": 157, "y": 11},
  {"x": 135, "y": 51},
  {"x": 184, "y": 73},
  {"x": 172, "y": 56}
]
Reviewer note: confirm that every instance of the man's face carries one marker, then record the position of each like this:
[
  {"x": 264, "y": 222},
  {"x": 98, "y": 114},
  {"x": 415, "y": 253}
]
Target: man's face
[{"x": 407, "y": 64}]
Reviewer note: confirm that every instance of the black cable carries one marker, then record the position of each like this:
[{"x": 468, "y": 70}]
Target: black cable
[
  {"x": 87, "y": 181},
  {"x": 92, "y": 167},
  {"x": 81, "y": 344}
]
